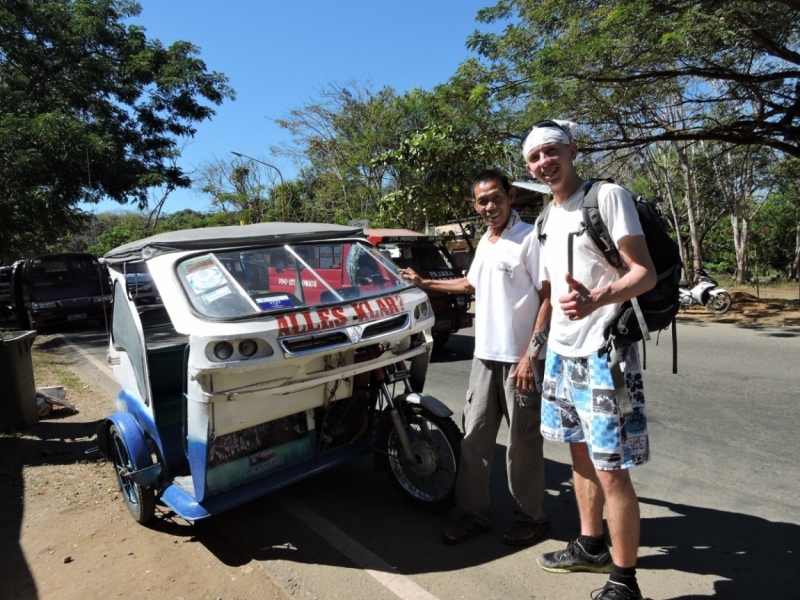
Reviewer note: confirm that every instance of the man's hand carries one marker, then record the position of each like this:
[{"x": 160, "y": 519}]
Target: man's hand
[
  {"x": 411, "y": 275},
  {"x": 579, "y": 303},
  {"x": 524, "y": 375}
]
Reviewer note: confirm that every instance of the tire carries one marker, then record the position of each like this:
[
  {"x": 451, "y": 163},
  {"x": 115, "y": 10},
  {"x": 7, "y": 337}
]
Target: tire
[
  {"x": 141, "y": 501},
  {"x": 440, "y": 338},
  {"x": 430, "y": 482},
  {"x": 719, "y": 303}
]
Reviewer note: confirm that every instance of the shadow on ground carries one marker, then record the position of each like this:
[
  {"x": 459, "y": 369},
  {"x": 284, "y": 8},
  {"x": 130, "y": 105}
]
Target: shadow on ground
[
  {"x": 750, "y": 556},
  {"x": 50, "y": 442}
]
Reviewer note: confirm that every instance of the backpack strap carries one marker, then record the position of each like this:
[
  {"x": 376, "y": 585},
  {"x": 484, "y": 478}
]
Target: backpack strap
[
  {"x": 595, "y": 225},
  {"x": 620, "y": 389},
  {"x": 540, "y": 222},
  {"x": 598, "y": 231}
]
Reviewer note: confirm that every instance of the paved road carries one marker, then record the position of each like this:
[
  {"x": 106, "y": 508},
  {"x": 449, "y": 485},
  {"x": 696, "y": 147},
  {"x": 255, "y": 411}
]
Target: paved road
[{"x": 720, "y": 499}]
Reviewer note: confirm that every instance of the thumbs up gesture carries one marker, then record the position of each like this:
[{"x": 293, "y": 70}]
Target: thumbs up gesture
[{"x": 578, "y": 303}]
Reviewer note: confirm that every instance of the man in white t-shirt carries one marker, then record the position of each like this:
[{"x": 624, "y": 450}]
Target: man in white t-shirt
[
  {"x": 579, "y": 403},
  {"x": 504, "y": 276}
]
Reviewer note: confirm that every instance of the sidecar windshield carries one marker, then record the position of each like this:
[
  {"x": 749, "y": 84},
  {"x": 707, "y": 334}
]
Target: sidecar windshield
[{"x": 253, "y": 281}]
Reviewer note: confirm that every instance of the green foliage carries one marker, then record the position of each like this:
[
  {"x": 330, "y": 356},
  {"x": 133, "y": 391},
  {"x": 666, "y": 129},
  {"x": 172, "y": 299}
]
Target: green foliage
[
  {"x": 337, "y": 137},
  {"x": 110, "y": 239},
  {"x": 636, "y": 71},
  {"x": 89, "y": 109},
  {"x": 774, "y": 231},
  {"x": 434, "y": 169}
]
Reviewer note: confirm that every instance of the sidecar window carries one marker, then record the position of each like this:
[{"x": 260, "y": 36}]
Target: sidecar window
[{"x": 254, "y": 281}]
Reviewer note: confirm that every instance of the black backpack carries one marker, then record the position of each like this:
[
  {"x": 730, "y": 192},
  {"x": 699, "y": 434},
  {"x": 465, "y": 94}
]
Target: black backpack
[{"x": 655, "y": 309}]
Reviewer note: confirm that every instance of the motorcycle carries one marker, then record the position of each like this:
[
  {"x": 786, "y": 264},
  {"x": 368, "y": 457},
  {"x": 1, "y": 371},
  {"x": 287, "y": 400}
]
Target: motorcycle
[
  {"x": 706, "y": 293},
  {"x": 269, "y": 361}
]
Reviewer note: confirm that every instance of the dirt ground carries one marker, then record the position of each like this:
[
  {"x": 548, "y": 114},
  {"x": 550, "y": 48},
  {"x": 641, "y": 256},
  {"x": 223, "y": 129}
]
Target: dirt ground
[
  {"x": 68, "y": 535},
  {"x": 775, "y": 306}
]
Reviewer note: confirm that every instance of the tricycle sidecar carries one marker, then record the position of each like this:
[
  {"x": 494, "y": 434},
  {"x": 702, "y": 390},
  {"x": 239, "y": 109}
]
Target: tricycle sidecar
[{"x": 277, "y": 354}]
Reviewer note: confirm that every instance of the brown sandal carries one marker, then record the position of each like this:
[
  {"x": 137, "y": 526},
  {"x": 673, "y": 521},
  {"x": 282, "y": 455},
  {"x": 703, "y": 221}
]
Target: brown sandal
[
  {"x": 465, "y": 528},
  {"x": 525, "y": 533}
]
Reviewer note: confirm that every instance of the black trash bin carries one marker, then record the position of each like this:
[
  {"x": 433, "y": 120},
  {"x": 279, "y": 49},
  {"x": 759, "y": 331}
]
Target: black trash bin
[{"x": 17, "y": 385}]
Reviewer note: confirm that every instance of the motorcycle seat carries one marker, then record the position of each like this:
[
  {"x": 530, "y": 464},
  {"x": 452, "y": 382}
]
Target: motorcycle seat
[{"x": 683, "y": 283}]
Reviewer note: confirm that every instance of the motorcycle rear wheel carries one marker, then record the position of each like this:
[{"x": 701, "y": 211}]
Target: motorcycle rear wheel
[
  {"x": 141, "y": 502},
  {"x": 719, "y": 303},
  {"x": 428, "y": 480}
]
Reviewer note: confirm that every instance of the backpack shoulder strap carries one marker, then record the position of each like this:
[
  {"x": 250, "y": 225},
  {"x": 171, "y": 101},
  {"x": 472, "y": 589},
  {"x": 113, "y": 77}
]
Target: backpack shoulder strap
[
  {"x": 540, "y": 222},
  {"x": 596, "y": 227}
]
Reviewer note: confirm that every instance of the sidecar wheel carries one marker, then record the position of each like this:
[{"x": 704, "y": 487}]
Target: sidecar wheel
[
  {"x": 141, "y": 501},
  {"x": 719, "y": 303},
  {"x": 428, "y": 480}
]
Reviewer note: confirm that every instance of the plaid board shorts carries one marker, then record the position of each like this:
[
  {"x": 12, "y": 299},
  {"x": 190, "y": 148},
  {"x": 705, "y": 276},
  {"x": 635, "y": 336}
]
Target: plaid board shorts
[{"x": 579, "y": 405}]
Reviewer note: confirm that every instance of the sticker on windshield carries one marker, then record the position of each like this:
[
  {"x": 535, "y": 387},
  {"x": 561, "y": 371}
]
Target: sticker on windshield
[
  {"x": 217, "y": 294},
  {"x": 275, "y": 302},
  {"x": 206, "y": 279}
]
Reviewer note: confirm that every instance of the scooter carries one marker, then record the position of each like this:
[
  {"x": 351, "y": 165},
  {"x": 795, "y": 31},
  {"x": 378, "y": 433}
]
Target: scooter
[{"x": 706, "y": 293}]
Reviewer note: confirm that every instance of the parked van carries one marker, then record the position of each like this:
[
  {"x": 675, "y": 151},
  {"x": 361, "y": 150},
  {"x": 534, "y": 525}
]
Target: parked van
[
  {"x": 54, "y": 289},
  {"x": 429, "y": 257}
]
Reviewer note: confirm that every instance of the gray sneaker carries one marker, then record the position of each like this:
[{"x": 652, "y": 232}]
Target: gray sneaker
[
  {"x": 617, "y": 591},
  {"x": 575, "y": 559}
]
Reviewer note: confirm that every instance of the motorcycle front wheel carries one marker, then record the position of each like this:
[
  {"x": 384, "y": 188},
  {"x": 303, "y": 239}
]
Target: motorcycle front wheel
[
  {"x": 428, "y": 478},
  {"x": 719, "y": 303}
]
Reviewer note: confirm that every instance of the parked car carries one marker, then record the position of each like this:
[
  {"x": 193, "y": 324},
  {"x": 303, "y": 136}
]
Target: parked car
[
  {"x": 54, "y": 289},
  {"x": 429, "y": 257},
  {"x": 141, "y": 288},
  {"x": 5, "y": 293}
]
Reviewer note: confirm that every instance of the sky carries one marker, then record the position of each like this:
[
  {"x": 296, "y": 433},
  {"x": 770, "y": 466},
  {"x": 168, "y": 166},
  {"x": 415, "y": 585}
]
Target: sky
[{"x": 278, "y": 54}]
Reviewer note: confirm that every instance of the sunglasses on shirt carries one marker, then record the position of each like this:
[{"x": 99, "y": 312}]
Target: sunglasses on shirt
[{"x": 546, "y": 124}]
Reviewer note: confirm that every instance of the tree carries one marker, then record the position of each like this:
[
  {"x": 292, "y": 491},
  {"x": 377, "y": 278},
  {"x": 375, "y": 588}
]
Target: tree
[
  {"x": 240, "y": 186},
  {"x": 435, "y": 167},
  {"x": 89, "y": 109},
  {"x": 731, "y": 67},
  {"x": 452, "y": 134},
  {"x": 337, "y": 137}
]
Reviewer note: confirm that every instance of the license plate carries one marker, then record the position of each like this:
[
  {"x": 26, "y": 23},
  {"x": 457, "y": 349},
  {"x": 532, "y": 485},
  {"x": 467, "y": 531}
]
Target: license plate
[{"x": 78, "y": 317}]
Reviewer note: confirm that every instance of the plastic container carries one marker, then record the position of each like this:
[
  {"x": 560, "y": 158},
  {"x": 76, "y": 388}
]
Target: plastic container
[{"x": 17, "y": 385}]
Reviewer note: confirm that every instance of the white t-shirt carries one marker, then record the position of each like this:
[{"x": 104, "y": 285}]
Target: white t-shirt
[
  {"x": 505, "y": 276},
  {"x": 583, "y": 337}
]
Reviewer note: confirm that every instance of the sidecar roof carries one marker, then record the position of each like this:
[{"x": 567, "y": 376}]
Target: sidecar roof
[{"x": 236, "y": 236}]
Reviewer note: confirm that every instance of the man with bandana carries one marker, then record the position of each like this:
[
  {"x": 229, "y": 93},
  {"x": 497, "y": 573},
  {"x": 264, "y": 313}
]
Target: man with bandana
[
  {"x": 579, "y": 404},
  {"x": 504, "y": 276}
]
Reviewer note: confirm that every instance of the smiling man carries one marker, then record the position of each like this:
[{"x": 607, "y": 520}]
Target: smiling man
[
  {"x": 504, "y": 276},
  {"x": 579, "y": 402}
]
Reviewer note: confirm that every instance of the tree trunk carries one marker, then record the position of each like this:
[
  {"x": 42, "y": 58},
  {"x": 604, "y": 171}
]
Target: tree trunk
[
  {"x": 740, "y": 236},
  {"x": 795, "y": 270},
  {"x": 697, "y": 260}
]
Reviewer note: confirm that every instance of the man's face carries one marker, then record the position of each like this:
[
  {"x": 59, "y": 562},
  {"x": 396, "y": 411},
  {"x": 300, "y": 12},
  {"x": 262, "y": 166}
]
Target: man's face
[
  {"x": 492, "y": 203},
  {"x": 552, "y": 163}
]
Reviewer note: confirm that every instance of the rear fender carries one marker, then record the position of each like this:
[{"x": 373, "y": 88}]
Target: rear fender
[{"x": 144, "y": 471}]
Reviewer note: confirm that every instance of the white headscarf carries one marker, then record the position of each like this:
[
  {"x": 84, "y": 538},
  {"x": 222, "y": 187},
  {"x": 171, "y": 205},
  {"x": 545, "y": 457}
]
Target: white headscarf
[{"x": 547, "y": 135}]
